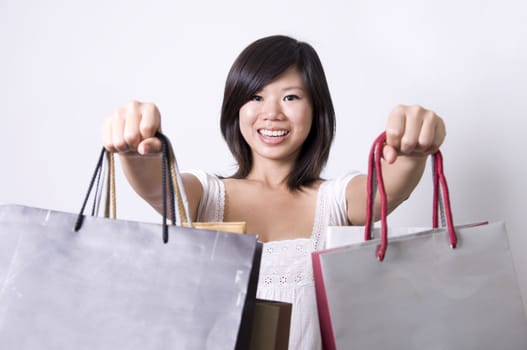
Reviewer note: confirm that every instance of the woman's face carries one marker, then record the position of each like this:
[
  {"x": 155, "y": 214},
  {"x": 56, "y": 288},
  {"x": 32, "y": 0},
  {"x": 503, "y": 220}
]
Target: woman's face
[{"x": 277, "y": 120}]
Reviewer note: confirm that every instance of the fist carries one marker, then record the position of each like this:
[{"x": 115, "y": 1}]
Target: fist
[
  {"x": 131, "y": 129},
  {"x": 412, "y": 131}
]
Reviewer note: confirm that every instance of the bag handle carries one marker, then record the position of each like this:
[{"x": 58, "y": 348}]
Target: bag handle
[
  {"x": 110, "y": 202},
  {"x": 375, "y": 182},
  {"x": 96, "y": 176},
  {"x": 110, "y": 208},
  {"x": 173, "y": 170},
  {"x": 175, "y": 181},
  {"x": 172, "y": 175},
  {"x": 170, "y": 181}
]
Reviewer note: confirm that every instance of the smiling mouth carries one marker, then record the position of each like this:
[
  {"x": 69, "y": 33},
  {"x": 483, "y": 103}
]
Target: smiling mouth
[{"x": 273, "y": 133}]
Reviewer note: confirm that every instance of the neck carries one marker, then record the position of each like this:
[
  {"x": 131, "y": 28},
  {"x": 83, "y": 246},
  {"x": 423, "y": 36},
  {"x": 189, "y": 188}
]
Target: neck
[{"x": 270, "y": 173}]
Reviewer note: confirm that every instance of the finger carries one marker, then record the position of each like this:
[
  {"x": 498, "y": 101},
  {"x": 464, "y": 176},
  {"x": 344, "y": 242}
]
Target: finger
[
  {"x": 427, "y": 136},
  {"x": 389, "y": 154},
  {"x": 117, "y": 134},
  {"x": 132, "y": 118},
  {"x": 412, "y": 130},
  {"x": 149, "y": 146},
  {"x": 440, "y": 134},
  {"x": 150, "y": 120},
  {"x": 395, "y": 126}
]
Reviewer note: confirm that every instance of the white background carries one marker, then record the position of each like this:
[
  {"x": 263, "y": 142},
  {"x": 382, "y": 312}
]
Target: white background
[{"x": 66, "y": 65}]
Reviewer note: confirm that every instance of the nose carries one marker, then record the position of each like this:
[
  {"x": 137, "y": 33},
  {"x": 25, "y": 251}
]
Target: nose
[{"x": 271, "y": 110}]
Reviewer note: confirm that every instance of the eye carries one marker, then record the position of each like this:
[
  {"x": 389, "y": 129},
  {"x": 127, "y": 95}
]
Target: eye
[
  {"x": 256, "y": 98},
  {"x": 291, "y": 97}
]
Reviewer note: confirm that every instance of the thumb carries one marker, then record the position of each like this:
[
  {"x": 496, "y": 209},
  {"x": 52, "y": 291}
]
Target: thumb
[
  {"x": 389, "y": 153},
  {"x": 149, "y": 146}
]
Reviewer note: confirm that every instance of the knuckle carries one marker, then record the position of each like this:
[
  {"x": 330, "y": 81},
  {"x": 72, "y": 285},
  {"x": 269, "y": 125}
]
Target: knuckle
[
  {"x": 414, "y": 112},
  {"x": 394, "y": 132},
  {"x": 108, "y": 146},
  {"x": 120, "y": 144},
  {"x": 426, "y": 144},
  {"x": 400, "y": 107},
  {"x": 131, "y": 138},
  {"x": 147, "y": 129},
  {"x": 430, "y": 115},
  {"x": 149, "y": 107},
  {"x": 406, "y": 143},
  {"x": 417, "y": 108},
  {"x": 133, "y": 105}
]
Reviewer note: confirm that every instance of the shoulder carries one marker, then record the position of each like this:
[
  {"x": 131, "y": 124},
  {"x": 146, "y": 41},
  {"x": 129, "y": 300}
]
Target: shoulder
[
  {"x": 340, "y": 185},
  {"x": 200, "y": 176},
  {"x": 207, "y": 182},
  {"x": 332, "y": 199},
  {"x": 206, "y": 192}
]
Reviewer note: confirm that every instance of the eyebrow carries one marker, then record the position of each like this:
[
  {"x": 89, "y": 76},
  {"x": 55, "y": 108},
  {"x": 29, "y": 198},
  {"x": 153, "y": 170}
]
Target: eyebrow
[{"x": 293, "y": 88}]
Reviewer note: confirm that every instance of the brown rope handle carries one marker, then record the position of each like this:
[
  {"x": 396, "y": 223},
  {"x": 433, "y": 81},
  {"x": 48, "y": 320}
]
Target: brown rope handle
[
  {"x": 111, "y": 201},
  {"x": 110, "y": 209},
  {"x": 177, "y": 186}
]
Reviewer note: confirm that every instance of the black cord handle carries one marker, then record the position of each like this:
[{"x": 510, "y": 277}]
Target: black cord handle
[
  {"x": 165, "y": 176},
  {"x": 98, "y": 168}
]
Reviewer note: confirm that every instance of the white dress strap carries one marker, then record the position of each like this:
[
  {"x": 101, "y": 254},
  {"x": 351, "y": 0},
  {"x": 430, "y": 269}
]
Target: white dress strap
[
  {"x": 212, "y": 203},
  {"x": 331, "y": 207}
]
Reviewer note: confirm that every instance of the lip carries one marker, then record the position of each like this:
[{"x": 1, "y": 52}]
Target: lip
[{"x": 273, "y": 140}]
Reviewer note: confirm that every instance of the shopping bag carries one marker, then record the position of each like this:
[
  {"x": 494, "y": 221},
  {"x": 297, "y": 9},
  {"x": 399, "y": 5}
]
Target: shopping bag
[
  {"x": 416, "y": 292},
  {"x": 272, "y": 321},
  {"x": 69, "y": 281}
]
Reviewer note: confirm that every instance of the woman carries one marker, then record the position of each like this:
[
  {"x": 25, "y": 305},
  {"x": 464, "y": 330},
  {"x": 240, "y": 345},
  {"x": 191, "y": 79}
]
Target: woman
[{"x": 278, "y": 120}]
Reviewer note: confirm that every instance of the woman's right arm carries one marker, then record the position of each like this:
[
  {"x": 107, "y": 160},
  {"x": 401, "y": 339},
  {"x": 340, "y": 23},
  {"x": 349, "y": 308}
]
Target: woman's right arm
[{"x": 130, "y": 132}]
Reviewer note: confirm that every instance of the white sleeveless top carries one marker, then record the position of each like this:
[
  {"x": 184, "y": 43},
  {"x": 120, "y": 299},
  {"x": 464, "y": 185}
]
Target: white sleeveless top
[{"x": 286, "y": 272}]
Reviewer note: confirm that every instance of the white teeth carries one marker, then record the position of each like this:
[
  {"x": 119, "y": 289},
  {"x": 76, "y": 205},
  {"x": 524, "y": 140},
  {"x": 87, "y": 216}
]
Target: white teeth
[{"x": 273, "y": 133}]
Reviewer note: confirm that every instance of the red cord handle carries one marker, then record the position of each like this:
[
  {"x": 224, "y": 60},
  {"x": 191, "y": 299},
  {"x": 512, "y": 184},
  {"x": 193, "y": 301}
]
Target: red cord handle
[{"x": 375, "y": 179}]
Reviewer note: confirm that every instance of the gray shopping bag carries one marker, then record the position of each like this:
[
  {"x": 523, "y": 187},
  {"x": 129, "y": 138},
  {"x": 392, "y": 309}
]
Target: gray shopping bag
[
  {"x": 73, "y": 282},
  {"x": 116, "y": 285},
  {"x": 424, "y": 294}
]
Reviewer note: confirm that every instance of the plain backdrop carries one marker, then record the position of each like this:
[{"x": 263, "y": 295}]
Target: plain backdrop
[{"x": 66, "y": 65}]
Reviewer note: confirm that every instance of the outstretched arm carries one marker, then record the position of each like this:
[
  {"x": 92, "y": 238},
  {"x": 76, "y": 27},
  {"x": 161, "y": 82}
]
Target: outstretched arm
[
  {"x": 412, "y": 133},
  {"x": 130, "y": 132}
]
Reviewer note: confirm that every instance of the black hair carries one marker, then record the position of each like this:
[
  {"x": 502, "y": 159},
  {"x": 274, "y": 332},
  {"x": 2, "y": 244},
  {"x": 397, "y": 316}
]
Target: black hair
[{"x": 256, "y": 66}]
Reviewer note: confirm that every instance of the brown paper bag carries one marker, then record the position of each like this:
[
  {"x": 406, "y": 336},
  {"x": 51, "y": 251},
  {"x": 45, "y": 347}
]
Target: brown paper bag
[{"x": 271, "y": 324}]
